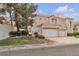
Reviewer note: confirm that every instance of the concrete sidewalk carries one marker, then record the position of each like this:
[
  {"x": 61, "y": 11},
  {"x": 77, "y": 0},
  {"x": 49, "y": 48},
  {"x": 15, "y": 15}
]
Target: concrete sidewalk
[
  {"x": 65, "y": 40},
  {"x": 32, "y": 46},
  {"x": 61, "y": 41}
]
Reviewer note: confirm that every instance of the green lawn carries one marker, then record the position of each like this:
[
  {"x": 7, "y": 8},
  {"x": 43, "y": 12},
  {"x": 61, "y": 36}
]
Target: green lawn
[
  {"x": 21, "y": 41},
  {"x": 77, "y": 36}
]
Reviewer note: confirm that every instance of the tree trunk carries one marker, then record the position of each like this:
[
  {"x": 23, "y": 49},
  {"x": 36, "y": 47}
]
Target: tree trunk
[
  {"x": 18, "y": 30},
  {"x": 17, "y": 25},
  {"x": 27, "y": 30},
  {"x": 11, "y": 19}
]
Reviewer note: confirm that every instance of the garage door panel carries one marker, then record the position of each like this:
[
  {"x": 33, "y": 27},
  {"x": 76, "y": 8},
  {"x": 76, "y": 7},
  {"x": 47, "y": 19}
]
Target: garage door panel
[
  {"x": 50, "y": 32},
  {"x": 62, "y": 33}
]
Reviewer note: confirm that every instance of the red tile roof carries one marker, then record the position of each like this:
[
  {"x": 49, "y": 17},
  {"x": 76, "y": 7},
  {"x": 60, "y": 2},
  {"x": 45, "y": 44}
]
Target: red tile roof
[{"x": 51, "y": 25}]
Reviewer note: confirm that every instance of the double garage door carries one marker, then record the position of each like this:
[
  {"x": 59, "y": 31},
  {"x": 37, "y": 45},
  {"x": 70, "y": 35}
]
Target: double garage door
[
  {"x": 53, "y": 32},
  {"x": 50, "y": 32}
]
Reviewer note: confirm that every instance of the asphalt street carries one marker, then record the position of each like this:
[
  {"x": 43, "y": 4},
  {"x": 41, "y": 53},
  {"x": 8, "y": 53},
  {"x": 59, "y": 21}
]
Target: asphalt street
[{"x": 68, "y": 50}]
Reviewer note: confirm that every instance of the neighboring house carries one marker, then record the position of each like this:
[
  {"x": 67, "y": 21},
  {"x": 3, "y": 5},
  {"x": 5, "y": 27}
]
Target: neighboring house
[
  {"x": 76, "y": 27},
  {"x": 4, "y": 28},
  {"x": 2, "y": 20},
  {"x": 52, "y": 26},
  {"x": 13, "y": 22}
]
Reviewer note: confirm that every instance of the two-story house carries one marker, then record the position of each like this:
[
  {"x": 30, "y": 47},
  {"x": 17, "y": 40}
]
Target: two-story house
[{"x": 52, "y": 26}]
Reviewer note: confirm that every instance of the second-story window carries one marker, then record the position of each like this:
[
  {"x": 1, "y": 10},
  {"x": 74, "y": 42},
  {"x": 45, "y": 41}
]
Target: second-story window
[
  {"x": 40, "y": 18},
  {"x": 70, "y": 24},
  {"x": 54, "y": 20}
]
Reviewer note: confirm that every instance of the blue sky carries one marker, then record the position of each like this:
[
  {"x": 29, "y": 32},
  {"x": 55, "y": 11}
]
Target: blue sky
[{"x": 60, "y": 9}]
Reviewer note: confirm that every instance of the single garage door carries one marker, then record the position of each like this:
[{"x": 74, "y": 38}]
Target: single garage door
[
  {"x": 50, "y": 32},
  {"x": 62, "y": 33}
]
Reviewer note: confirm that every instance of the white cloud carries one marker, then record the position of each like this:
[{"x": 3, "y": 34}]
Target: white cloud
[
  {"x": 74, "y": 15},
  {"x": 67, "y": 11},
  {"x": 63, "y": 9}
]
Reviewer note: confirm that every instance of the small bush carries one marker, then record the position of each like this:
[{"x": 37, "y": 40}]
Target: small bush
[
  {"x": 13, "y": 33},
  {"x": 24, "y": 32},
  {"x": 39, "y": 36},
  {"x": 18, "y": 33},
  {"x": 36, "y": 34},
  {"x": 69, "y": 34},
  {"x": 73, "y": 34}
]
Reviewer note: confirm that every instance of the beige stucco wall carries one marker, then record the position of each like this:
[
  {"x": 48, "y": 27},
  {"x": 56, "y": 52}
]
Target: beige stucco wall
[
  {"x": 62, "y": 33},
  {"x": 76, "y": 28},
  {"x": 69, "y": 28}
]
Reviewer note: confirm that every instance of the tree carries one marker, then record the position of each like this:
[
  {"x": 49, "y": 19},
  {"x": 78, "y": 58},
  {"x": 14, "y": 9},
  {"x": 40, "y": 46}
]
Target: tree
[
  {"x": 9, "y": 9},
  {"x": 26, "y": 11}
]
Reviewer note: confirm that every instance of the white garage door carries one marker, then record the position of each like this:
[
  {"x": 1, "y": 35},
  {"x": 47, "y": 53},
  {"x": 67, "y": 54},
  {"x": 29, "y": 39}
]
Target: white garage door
[
  {"x": 50, "y": 32},
  {"x": 62, "y": 33}
]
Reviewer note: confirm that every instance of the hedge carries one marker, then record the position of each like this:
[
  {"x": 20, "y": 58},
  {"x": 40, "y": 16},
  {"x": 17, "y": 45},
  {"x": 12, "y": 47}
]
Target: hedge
[
  {"x": 39, "y": 36},
  {"x": 73, "y": 34},
  {"x": 15, "y": 33}
]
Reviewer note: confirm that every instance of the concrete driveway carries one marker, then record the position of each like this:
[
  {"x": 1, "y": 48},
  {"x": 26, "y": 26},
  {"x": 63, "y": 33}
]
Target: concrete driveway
[{"x": 65, "y": 40}]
